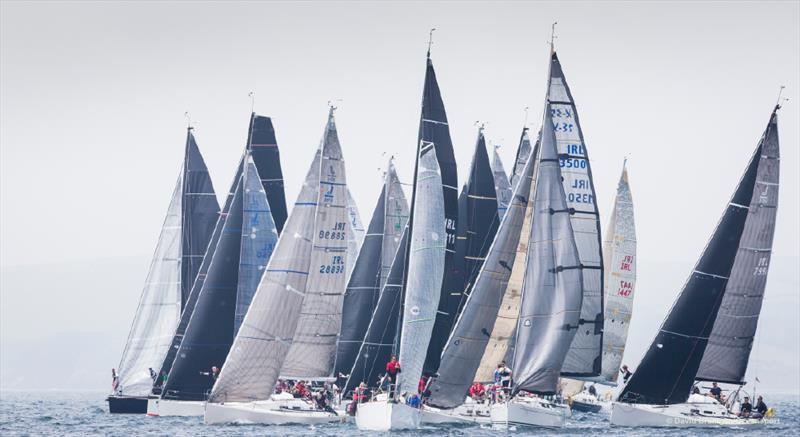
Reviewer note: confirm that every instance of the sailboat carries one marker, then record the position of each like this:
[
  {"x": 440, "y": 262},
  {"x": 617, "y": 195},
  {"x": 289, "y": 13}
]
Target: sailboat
[
  {"x": 184, "y": 237},
  {"x": 709, "y": 331},
  {"x": 619, "y": 251},
  {"x": 371, "y": 270},
  {"x": 465, "y": 348},
  {"x": 552, "y": 295},
  {"x": 291, "y": 326},
  {"x": 225, "y": 280},
  {"x": 502, "y": 186}
]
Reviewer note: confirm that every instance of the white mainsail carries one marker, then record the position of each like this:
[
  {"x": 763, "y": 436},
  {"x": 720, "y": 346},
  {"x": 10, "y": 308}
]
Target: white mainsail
[
  {"x": 159, "y": 307},
  {"x": 619, "y": 251},
  {"x": 355, "y": 234},
  {"x": 313, "y": 350},
  {"x": 425, "y": 269},
  {"x": 395, "y": 219}
]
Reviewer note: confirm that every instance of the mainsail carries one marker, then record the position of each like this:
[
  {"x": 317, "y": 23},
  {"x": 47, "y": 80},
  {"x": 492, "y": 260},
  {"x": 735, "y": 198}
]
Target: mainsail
[
  {"x": 501, "y": 184},
  {"x": 552, "y": 290},
  {"x": 584, "y": 357},
  {"x": 425, "y": 269},
  {"x": 523, "y": 153},
  {"x": 477, "y": 226},
  {"x": 364, "y": 286},
  {"x": 355, "y": 234},
  {"x": 313, "y": 348},
  {"x": 467, "y": 344},
  {"x": 619, "y": 252},
  {"x": 709, "y": 331},
  {"x": 259, "y": 236},
  {"x": 264, "y": 149},
  {"x": 187, "y": 226}
]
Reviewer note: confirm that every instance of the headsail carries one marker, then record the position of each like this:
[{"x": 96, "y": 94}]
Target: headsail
[
  {"x": 584, "y": 357},
  {"x": 425, "y": 269},
  {"x": 619, "y": 253},
  {"x": 467, "y": 344},
  {"x": 501, "y": 184},
  {"x": 552, "y": 290},
  {"x": 735, "y": 259}
]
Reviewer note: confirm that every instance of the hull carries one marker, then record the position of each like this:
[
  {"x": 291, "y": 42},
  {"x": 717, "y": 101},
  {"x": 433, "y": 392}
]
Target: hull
[
  {"x": 268, "y": 413},
  {"x": 466, "y": 413},
  {"x": 687, "y": 415},
  {"x": 386, "y": 416},
  {"x": 586, "y": 403},
  {"x": 167, "y": 407},
  {"x": 127, "y": 404},
  {"x": 529, "y": 412}
]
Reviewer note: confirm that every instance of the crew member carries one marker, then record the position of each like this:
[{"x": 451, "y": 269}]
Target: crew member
[
  {"x": 746, "y": 408},
  {"x": 477, "y": 392},
  {"x": 502, "y": 375},
  {"x": 761, "y": 408},
  {"x": 716, "y": 392},
  {"x": 626, "y": 374}
]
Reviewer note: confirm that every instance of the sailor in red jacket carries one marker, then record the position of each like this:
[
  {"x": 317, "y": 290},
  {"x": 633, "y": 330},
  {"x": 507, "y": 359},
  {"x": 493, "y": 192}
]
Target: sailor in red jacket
[
  {"x": 393, "y": 368},
  {"x": 477, "y": 391}
]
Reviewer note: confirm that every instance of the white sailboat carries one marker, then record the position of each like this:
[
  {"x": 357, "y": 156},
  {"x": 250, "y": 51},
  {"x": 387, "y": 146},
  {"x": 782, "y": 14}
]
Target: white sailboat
[{"x": 709, "y": 332}]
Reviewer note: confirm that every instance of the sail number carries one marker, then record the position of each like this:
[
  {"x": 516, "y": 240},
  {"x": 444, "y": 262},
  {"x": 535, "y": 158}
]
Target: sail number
[
  {"x": 572, "y": 162},
  {"x": 625, "y": 289},
  {"x": 337, "y": 233},
  {"x": 761, "y": 267},
  {"x": 336, "y": 265},
  {"x": 560, "y": 113},
  {"x": 626, "y": 263}
]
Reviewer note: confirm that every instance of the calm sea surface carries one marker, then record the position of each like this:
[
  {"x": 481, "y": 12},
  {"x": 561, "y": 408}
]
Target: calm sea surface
[{"x": 86, "y": 414}]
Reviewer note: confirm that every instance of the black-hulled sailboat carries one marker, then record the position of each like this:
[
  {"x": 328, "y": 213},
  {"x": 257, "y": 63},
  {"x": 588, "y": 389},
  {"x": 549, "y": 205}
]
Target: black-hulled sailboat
[
  {"x": 709, "y": 332},
  {"x": 184, "y": 237},
  {"x": 232, "y": 267}
]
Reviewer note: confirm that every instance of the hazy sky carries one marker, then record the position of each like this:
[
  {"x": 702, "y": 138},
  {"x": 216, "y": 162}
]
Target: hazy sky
[{"x": 92, "y": 127}]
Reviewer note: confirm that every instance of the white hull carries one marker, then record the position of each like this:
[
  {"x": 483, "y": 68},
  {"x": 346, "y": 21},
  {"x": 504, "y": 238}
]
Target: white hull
[
  {"x": 166, "y": 407},
  {"x": 386, "y": 416},
  {"x": 268, "y": 413},
  {"x": 529, "y": 412},
  {"x": 466, "y": 413},
  {"x": 687, "y": 415}
]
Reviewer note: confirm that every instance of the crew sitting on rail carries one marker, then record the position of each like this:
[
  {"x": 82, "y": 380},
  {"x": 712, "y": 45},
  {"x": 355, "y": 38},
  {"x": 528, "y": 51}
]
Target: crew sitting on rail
[
  {"x": 477, "y": 392},
  {"x": 746, "y": 408}
]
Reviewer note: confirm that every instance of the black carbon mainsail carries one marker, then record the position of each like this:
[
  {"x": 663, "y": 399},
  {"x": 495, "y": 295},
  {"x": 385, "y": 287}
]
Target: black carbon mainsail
[
  {"x": 264, "y": 149},
  {"x": 699, "y": 339}
]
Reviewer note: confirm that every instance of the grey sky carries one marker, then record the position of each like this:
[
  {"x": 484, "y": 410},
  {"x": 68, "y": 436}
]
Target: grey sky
[{"x": 92, "y": 98}]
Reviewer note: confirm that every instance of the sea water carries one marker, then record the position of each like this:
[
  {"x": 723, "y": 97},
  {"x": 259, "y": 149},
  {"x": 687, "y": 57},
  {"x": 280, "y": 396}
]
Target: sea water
[{"x": 86, "y": 414}]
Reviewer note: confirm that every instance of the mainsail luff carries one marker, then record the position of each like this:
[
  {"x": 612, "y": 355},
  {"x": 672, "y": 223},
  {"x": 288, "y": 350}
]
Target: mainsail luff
[
  {"x": 619, "y": 253},
  {"x": 427, "y": 248},
  {"x": 502, "y": 186},
  {"x": 552, "y": 290},
  {"x": 471, "y": 333},
  {"x": 259, "y": 236},
  {"x": 671, "y": 363},
  {"x": 255, "y": 359},
  {"x": 159, "y": 306},
  {"x": 584, "y": 357},
  {"x": 313, "y": 348},
  {"x": 731, "y": 340}
]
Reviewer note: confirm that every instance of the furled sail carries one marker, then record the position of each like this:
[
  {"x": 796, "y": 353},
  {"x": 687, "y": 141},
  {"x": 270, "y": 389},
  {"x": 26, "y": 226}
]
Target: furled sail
[
  {"x": 355, "y": 234},
  {"x": 425, "y": 269},
  {"x": 313, "y": 348},
  {"x": 259, "y": 237},
  {"x": 186, "y": 232},
  {"x": 552, "y": 290},
  {"x": 584, "y": 357},
  {"x": 467, "y": 344},
  {"x": 264, "y": 148},
  {"x": 477, "y": 226},
  {"x": 619, "y": 253},
  {"x": 365, "y": 283},
  {"x": 734, "y": 263},
  {"x": 501, "y": 184},
  {"x": 209, "y": 331},
  {"x": 523, "y": 153},
  {"x": 505, "y": 325},
  {"x": 434, "y": 129}
]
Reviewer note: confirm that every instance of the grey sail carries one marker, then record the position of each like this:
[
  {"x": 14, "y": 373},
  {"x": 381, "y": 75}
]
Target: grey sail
[
  {"x": 584, "y": 357},
  {"x": 259, "y": 236},
  {"x": 313, "y": 349},
  {"x": 523, "y": 153},
  {"x": 467, "y": 343},
  {"x": 394, "y": 225},
  {"x": 619, "y": 253},
  {"x": 355, "y": 235},
  {"x": 260, "y": 346},
  {"x": 731, "y": 339},
  {"x": 501, "y": 185},
  {"x": 426, "y": 262},
  {"x": 553, "y": 287}
]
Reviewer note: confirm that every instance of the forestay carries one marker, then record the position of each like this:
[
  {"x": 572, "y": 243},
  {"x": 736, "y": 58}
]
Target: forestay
[
  {"x": 467, "y": 344},
  {"x": 502, "y": 186},
  {"x": 425, "y": 269},
  {"x": 584, "y": 357},
  {"x": 552, "y": 290},
  {"x": 619, "y": 252}
]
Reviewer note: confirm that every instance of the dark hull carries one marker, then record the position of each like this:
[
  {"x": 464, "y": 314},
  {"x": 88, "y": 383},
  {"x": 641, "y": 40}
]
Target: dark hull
[
  {"x": 127, "y": 405},
  {"x": 586, "y": 408}
]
